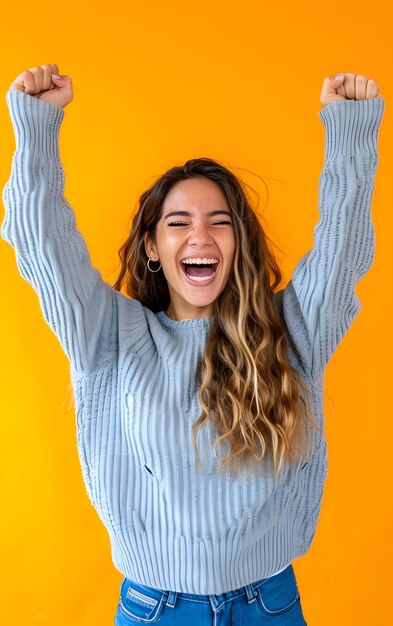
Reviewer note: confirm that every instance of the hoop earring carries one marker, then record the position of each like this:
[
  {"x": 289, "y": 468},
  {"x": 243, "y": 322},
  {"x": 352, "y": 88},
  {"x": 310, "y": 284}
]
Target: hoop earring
[{"x": 149, "y": 268}]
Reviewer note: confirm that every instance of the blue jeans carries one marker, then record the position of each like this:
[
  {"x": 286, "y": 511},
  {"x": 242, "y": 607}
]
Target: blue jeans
[{"x": 270, "y": 601}]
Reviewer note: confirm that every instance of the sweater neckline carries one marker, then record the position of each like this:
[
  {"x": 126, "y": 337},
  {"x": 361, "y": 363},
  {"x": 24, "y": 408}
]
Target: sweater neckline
[{"x": 199, "y": 323}]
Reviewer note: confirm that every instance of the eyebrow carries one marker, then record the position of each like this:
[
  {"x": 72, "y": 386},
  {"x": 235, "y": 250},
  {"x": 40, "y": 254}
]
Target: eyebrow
[{"x": 188, "y": 214}]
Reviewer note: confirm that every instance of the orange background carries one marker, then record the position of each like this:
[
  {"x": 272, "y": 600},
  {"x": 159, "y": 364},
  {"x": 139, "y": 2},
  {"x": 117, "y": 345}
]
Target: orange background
[{"x": 155, "y": 84}]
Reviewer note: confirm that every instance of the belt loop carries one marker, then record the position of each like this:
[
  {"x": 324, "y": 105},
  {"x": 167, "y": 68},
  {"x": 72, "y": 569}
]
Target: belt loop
[
  {"x": 251, "y": 593},
  {"x": 171, "y": 600}
]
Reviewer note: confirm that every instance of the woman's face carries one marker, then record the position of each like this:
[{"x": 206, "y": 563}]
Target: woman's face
[{"x": 195, "y": 224}]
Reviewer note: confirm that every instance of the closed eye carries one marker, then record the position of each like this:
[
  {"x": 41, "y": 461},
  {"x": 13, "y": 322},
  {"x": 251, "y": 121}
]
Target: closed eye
[{"x": 183, "y": 224}]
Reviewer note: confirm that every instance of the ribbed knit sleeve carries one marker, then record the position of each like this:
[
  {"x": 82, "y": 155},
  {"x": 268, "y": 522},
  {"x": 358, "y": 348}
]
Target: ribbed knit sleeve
[
  {"x": 319, "y": 302},
  {"x": 40, "y": 225}
]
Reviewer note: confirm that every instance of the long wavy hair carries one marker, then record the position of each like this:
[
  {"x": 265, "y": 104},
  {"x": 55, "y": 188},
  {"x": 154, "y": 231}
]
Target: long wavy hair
[{"x": 255, "y": 400}]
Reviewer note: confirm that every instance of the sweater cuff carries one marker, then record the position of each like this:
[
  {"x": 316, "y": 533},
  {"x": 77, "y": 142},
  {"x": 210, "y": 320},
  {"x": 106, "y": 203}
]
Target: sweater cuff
[
  {"x": 352, "y": 126},
  {"x": 36, "y": 123}
]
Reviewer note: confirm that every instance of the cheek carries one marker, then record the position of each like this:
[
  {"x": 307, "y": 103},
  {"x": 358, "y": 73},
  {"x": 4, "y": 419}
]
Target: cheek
[
  {"x": 169, "y": 242},
  {"x": 231, "y": 248}
]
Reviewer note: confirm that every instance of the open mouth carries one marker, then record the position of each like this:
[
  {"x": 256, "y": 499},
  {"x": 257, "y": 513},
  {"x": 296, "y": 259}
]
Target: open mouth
[{"x": 200, "y": 272}]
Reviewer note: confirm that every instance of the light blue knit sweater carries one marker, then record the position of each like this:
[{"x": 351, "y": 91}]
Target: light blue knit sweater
[{"x": 133, "y": 371}]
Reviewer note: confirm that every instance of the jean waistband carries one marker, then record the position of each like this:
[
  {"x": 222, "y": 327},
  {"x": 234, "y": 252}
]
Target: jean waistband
[{"x": 216, "y": 601}]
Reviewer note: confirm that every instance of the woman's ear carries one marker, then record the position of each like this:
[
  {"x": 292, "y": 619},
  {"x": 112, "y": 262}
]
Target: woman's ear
[{"x": 150, "y": 247}]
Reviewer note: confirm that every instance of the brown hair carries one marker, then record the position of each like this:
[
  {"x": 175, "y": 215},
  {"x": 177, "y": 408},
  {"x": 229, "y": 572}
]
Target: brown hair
[{"x": 249, "y": 391}]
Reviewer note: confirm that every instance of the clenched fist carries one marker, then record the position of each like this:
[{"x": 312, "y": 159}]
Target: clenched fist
[
  {"x": 39, "y": 83},
  {"x": 351, "y": 87}
]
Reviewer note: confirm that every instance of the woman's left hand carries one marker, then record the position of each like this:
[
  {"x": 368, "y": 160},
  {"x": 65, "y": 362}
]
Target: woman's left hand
[{"x": 351, "y": 87}]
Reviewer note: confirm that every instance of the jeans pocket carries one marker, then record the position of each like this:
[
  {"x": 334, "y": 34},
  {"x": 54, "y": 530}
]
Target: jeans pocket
[
  {"x": 138, "y": 604},
  {"x": 279, "y": 594}
]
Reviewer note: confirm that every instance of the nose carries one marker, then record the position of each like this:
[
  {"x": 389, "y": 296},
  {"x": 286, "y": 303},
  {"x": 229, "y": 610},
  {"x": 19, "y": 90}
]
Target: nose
[{"x": 200, "y": 235}]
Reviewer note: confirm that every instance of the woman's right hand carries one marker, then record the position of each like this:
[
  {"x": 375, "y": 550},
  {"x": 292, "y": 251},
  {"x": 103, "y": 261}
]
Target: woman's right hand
[{"x": 38, "y": 82}]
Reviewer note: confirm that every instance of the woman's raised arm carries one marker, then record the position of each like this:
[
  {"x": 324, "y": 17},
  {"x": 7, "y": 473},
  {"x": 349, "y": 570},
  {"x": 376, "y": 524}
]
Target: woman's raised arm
[
  {"x": 319, "y": 302},
  {"x": 40, "y": 225}
]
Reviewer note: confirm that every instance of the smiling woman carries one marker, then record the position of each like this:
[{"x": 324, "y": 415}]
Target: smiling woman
[{"x": 226, "y": 353}]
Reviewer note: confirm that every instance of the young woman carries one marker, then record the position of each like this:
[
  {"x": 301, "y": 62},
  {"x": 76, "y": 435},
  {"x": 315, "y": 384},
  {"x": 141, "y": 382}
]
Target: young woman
[{"x": 199, "y": 398}]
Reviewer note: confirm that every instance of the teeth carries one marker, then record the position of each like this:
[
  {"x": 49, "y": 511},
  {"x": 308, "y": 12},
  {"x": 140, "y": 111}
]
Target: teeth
[
  {"x": 199, "y": 261},
  {"x": 200, "y": 279}
]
